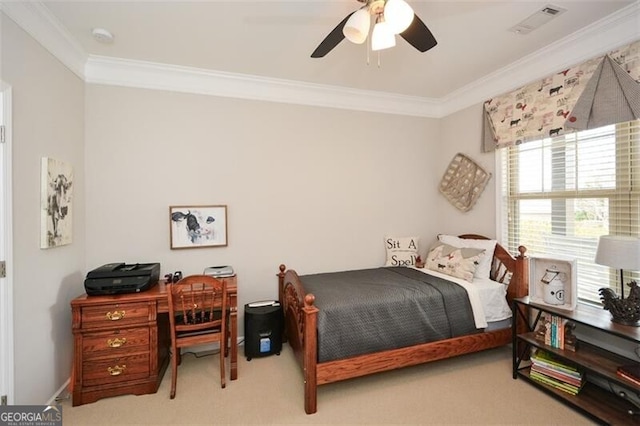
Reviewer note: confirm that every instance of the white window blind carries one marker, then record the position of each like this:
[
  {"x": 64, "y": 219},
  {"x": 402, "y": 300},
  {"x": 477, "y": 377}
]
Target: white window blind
[{"x": 558, "y": 195}]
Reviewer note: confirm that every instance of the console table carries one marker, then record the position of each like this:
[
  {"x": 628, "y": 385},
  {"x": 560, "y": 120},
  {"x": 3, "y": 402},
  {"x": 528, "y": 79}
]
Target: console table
[
  {"x": 121, "y": 342},
  {"x": 598, "y": 365}
]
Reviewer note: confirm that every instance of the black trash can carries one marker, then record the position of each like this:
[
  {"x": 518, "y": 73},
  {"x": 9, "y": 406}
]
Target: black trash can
[{"x": 263, "y": 328}]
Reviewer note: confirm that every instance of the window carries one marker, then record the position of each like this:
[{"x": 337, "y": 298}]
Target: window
[{"x": 558, "y": 195}]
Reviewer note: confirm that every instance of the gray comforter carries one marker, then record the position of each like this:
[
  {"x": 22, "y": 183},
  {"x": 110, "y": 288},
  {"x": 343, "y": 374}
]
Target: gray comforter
[{"x": 371, "y": 310}]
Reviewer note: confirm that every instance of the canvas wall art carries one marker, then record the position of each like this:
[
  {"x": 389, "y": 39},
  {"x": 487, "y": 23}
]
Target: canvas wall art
[
  {"x": 56, "y": 203},
  {"x": 198, "y": 226}
]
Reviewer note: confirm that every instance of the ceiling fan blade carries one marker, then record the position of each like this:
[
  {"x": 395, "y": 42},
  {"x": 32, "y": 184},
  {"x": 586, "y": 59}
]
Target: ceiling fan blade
[
  {"x": 332, "y": 40},
  {"x": 418, "y": 35}
]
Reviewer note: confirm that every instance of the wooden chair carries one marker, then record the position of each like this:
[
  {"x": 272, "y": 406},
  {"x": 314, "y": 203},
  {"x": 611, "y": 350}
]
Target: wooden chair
[{"x": 197, "y": 315}]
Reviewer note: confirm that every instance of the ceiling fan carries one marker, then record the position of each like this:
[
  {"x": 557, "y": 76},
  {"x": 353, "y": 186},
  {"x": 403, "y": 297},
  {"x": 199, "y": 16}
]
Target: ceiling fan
[{"x": 391, "y": 17}]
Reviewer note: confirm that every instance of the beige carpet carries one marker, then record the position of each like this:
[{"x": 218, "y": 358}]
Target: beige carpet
[{"x": 472, "y": 389}]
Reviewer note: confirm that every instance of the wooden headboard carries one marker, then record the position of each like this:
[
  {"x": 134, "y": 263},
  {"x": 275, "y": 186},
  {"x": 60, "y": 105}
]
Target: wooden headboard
[{"x": 507, "y": 269}]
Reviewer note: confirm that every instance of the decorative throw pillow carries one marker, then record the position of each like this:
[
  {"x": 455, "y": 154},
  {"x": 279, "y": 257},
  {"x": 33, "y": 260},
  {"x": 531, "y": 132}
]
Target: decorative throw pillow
[
  {"x": 484, "y": 268},
  {"x": 401, "y": 251},
  {"x": 454, "y": 261}
]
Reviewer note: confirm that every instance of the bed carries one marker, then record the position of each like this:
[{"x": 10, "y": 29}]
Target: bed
[{"x": 304, "y": 312}]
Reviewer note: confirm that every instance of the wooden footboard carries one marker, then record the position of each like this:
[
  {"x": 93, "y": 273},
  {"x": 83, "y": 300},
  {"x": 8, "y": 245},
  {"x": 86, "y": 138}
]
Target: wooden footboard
[{"x": 301, "y": 331}]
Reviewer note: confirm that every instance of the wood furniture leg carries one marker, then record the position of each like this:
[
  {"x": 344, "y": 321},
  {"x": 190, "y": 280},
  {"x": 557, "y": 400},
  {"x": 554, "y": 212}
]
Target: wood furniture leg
[
  {"x": 233, "y": 345},
  {"x": 310, "y": 355}
]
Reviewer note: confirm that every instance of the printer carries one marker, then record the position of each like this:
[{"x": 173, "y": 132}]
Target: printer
[{"x": 121, "y": 278}]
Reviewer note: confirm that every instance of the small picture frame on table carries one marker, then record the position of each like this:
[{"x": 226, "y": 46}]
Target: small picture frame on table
[
  {"x": 198, "y": 226},
  {"x": 553, "y": 282}
]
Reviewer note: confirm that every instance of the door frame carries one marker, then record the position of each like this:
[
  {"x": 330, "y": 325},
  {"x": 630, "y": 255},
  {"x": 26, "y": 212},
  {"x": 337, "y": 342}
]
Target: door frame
[{"x": 6, "y": 251}]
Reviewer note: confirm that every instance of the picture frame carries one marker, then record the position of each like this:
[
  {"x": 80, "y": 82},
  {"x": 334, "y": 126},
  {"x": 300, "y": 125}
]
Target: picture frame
[
  {"x": 553, "y": 282},
  {"x": 56, "y": 203},
  {"x": 198, "y": 226}
]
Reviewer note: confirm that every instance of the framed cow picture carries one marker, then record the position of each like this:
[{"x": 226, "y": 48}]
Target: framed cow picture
[
  {"x": 198, "y": 226},
  {"x": 56, "y": 198}
]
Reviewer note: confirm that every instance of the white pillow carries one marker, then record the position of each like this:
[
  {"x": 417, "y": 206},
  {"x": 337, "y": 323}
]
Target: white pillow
[
  {"x": 401, "y": 251},
  {"x": 460, "y": 262},
  {"x": 484, "y": 268}
]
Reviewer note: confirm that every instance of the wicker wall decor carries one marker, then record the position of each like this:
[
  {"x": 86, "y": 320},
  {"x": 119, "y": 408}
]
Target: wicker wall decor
[{"x": 463, "y": 182}]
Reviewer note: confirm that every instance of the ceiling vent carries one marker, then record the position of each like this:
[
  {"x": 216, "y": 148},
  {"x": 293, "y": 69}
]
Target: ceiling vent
[{"x": 539, "y": 18}]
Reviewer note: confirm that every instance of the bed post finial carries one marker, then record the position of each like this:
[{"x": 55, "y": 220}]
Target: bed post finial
[
  {"x": 309, "y": 299},
  {"x": 522, "y": 250},
  {"x": 281, "y": 284},
  {"x": 521, "y": 276}
]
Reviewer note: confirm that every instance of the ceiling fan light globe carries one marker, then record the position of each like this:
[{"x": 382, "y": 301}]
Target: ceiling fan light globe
[
  {"x": 398, "y": 14},
  {"x": 357, "y": 27},
  {"x": 382, "y": 37}
]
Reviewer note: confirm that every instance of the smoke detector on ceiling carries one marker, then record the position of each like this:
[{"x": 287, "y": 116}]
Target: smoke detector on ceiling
[
  {"x": 539, "y": 18},
  {"x": 101, "y": 35}
]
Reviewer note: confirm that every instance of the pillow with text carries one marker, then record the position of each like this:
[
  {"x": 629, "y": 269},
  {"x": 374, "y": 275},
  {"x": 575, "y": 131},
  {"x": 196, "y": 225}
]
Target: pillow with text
[{"x": 401, "y": 251}]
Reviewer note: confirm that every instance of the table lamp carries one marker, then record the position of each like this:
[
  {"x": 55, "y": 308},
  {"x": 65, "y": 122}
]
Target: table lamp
[{"x": 620, "y": 252}]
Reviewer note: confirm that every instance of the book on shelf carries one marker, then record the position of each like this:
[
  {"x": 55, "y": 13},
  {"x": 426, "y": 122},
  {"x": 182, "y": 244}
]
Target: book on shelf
[
  {"x": 556, "y": 374},
  {"x": 555, "y": 331},
  {"x": 557, "y": 384},
  {"x": 630, "y": 372},
  {"x": 552, "y": 362}
]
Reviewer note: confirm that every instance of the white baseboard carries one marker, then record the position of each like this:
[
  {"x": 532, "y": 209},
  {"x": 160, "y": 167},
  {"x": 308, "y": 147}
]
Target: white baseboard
[{"x": 61, "y": 393}]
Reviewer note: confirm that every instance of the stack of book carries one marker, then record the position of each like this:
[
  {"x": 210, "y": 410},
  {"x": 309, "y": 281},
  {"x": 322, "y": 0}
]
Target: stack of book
[
  {"x": 556, "y": 332},
  {"x": 630, "y": 372},
  {"x": 556, "y": 373}
]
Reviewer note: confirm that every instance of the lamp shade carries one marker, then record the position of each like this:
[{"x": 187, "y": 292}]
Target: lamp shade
[
  {"x": 382, "y": 36},
  {"x": 618, "y": 251},
  {"x": 357, "y": 27},
  {"x": 398, "y": 15}
]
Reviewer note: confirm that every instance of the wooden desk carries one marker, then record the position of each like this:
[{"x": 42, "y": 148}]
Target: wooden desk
[{"x": 121, "y": 343}]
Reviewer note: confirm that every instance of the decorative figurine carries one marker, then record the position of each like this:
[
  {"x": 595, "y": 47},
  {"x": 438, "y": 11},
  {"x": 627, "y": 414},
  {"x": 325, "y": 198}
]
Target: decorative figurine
[{"x": 623, "y": 311}]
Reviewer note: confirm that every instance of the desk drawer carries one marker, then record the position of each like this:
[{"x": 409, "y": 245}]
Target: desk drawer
[
  {"x": 115, "y": 370},
  {"x": 118, "y": 342},
  {"x": 115, "y": 315}
]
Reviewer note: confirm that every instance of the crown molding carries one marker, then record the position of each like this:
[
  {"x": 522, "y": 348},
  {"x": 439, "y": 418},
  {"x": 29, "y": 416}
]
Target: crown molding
[
  {"x": 612, "y": 31},
  {"x": 150, "y": 75},
  {"x": 36, "y": 19}
]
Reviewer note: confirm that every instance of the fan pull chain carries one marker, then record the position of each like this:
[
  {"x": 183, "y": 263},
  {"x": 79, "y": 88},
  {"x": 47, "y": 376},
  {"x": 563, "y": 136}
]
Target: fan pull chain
[{"x": 369, "y": 53}]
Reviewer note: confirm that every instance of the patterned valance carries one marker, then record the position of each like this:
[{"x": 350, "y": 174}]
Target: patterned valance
[{"x": 603, "y": 90}]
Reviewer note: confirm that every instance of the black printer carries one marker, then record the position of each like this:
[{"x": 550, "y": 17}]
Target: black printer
[{"x": 121, "y": 278}]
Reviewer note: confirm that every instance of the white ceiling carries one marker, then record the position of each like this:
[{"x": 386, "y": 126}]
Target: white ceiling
[
  {"x": 275, "y": 38},
  {"x": 261, "y": 49}
]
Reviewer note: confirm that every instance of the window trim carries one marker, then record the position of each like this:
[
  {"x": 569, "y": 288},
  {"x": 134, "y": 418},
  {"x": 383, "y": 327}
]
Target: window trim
[{"x": 621, "y": 197}]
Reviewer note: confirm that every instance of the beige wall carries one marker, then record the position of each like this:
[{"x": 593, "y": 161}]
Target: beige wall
[
  {"x": 315, "y": 188},
  {"x": 462, "y": 132},
  {"x": 48, "y": 117}
]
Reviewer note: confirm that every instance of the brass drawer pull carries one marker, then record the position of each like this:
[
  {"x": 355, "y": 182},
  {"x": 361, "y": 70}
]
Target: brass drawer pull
[
  {"x": 115, "y": 315},
  {"x": 117, "y": 342},
  {"x": 117, "y": 370}
]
